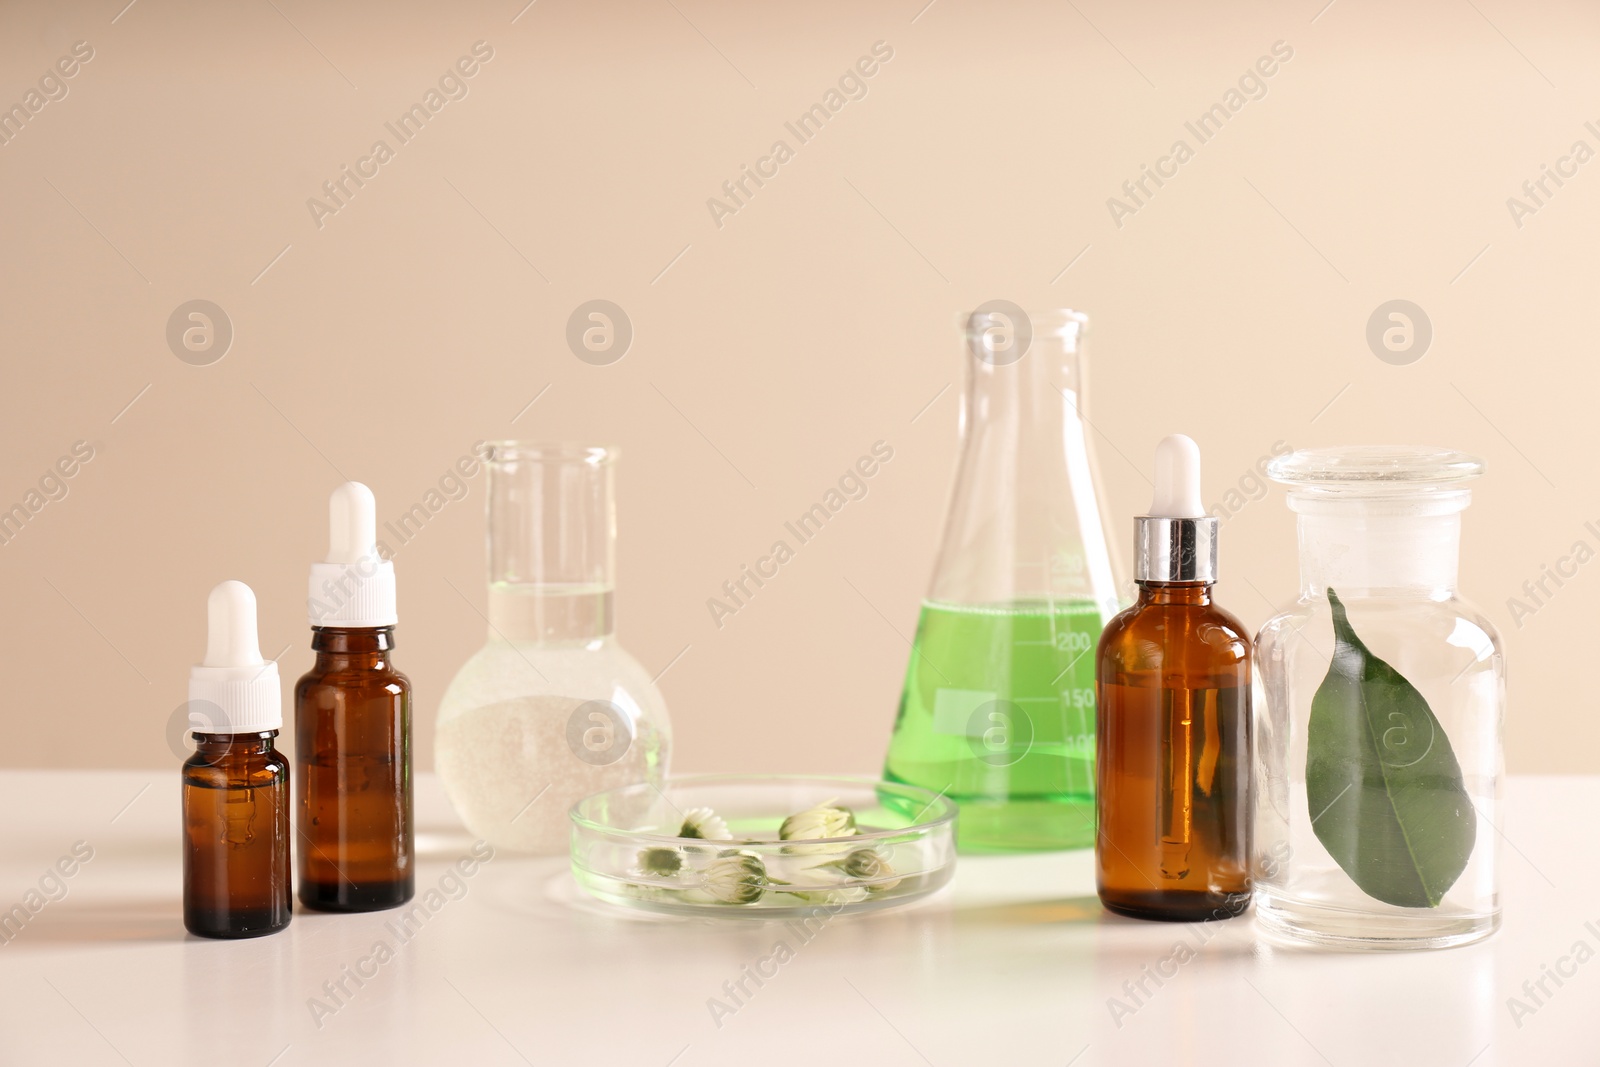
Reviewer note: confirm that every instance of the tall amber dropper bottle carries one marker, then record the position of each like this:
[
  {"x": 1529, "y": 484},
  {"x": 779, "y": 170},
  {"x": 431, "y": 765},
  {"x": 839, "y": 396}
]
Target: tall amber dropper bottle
[
  {"x": 352, "y": 715},
  {"x": 1172, "y": 694},
  {"x": 235, "y": 786}
]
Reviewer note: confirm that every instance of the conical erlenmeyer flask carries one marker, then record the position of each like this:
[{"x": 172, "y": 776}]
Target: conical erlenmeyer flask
[{"x": 998, "y": 708}]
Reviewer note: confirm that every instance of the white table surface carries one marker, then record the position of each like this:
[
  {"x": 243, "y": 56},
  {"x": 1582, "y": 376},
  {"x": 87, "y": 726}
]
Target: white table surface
[{"x": 1012, "y": 964}]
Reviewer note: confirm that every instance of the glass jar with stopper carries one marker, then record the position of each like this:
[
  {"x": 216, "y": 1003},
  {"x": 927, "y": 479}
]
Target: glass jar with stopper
[{"x": 1382, "y": 696}]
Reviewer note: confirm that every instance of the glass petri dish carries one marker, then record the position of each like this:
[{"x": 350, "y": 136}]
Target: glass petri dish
[{"x": 626, "y": 849}]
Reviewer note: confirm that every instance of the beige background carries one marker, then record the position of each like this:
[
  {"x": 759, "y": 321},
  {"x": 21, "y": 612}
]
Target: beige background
[{"x": 770, "y": 352}]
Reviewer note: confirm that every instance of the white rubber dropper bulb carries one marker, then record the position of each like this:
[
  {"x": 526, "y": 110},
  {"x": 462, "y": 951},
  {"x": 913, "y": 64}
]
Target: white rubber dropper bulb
[
  {"x": 233, "y": 690},
  {"x": 352, "y": 524},
  {"x": 354, "y": 586},
  {"x": 1177, "y": 479},
  {"x": 231, "y": 639}
]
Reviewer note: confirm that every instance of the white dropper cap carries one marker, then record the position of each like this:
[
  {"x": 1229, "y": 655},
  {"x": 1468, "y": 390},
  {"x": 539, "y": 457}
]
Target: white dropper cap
[
  {"x": 233, "y": 691},
  {"x": 1177, "y": 541},
  {"x": 1177, "y": 479},
  {"x": 354, "y": 586}
]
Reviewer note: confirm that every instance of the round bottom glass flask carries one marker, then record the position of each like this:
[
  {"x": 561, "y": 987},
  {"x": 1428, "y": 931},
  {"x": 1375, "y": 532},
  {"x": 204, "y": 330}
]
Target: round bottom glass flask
[
  {"x": 551, "y": 709},
  {"x": 1379, "y": 712}
]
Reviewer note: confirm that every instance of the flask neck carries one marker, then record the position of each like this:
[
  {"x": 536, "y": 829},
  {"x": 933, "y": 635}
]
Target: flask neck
[
  {"x": 1025, "y": 520},
  {"x": 552, "y": 516},
  {"x": 1362, "y": 553},
  {"x": 526, "y": 613},
  {"x": 1034, "y": 394}
]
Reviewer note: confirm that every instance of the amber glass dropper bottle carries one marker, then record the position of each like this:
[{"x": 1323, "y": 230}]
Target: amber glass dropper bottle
[
  {"x": 352, "y": 715},
  {"x": 1172, "y": 694},
  {"x": 235, "y": 786}
]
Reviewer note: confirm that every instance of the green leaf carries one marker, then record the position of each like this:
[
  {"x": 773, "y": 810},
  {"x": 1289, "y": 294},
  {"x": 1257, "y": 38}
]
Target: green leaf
[{"x": 1383, "y": 785}]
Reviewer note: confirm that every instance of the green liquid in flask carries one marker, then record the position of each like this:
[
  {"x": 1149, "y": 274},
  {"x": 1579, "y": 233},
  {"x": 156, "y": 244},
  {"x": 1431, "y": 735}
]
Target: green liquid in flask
[{"x": 998, "y": 714}]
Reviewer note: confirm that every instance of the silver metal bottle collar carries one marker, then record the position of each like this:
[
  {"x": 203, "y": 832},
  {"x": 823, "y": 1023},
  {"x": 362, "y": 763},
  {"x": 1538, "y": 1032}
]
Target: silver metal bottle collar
[{"x": 1175, "y": 550}]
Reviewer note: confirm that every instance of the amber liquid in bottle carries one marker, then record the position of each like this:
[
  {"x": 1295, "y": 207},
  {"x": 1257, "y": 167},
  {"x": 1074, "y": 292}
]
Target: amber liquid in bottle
[
  {"x": 352, "y": 714},
  {"x": 236, "y": 836},
  {"x": 1172, "y": 688}
]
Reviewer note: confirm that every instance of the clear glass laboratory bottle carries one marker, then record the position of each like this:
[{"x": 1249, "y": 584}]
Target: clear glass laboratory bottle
[
  {"x": 1382, "y": 695},
  {"x": 998, "y": 707},
  {"x": 551, "y": 709}
]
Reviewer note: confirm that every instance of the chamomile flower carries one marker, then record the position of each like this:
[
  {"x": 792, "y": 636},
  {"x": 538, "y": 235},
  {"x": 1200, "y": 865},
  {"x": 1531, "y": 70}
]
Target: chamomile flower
[
  {"x": 704, "y": 824},
  {"x": 869, "y": 866},
  {"x": 662, "y": 862},
  {"x": 735, "y": 878},
  {"x": 824, "y": 820}
]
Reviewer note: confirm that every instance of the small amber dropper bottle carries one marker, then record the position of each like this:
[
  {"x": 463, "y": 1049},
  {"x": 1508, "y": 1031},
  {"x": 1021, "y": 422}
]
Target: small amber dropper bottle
[
  {"x": 235, "y": 786},
  {"x": 1172, "y": 695},
  {"x": 352, "y": 715}
]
